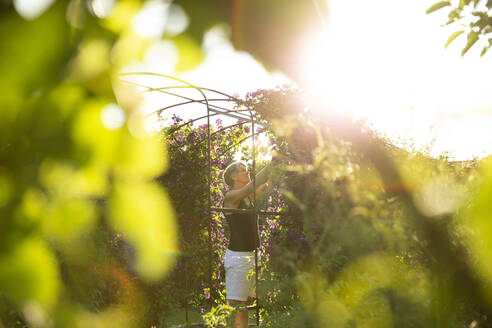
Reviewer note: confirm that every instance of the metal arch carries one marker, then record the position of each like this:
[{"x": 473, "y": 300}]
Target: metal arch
[
  {"x": 159, "y": 111},
  {"x": 214, "y": 108},
  {"x": 217, "y": 110}
]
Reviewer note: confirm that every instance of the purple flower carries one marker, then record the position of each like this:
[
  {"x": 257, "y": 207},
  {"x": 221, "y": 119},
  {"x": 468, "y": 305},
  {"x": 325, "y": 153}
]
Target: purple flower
[
  {"x": 191, "y": 137},
  {"x": 176, "y": 119}
]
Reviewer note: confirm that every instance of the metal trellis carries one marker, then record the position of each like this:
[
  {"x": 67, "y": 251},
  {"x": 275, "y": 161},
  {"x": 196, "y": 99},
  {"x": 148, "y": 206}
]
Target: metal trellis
[{"x": 247, "y": 115}]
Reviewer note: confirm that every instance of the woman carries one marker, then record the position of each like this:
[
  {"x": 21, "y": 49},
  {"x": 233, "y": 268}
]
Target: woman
[{"x": 239, "y": 257}]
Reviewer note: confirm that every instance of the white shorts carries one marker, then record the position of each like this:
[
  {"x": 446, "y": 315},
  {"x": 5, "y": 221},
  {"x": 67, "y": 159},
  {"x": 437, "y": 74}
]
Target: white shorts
[{"x": 240, "y": 275}]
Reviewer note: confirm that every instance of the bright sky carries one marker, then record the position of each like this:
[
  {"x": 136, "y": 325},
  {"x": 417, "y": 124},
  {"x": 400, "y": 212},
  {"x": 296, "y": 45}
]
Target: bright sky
[{"x": 383, "y": 60}]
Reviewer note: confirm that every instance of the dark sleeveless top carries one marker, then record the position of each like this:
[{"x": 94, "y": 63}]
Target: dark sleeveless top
[{"x": 244, "y": 230}]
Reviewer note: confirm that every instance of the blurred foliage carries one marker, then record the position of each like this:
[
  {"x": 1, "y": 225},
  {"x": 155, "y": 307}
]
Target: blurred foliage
[
  {"x": 220, "y": 316},
  {"x": 71, "y": 184},
  {"x": 349, "y": 254},
  {"x": 474, "y": 16}
]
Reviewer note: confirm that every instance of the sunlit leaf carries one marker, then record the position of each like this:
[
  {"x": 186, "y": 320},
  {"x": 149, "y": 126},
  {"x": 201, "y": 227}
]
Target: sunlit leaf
[
  {"x": 92, "y": 138},
  {"x": 32, "y": 208},
  {"x": 67, "y": 98},
  {"x": 143, "y": 214},
  {"x": 129, "y": 47},
  {"x": 29, "y": 272},
  {"x": 32, "y": 64},
  {"x": 354, "y": 295},
  {"x": 131, "y": 157},
  {"x": 190, "y": 53},
  {"x": 140, "y": 157},
  {"x": 478, "y": 221},
  {"x": 375, "y": 311},
  {"x": 453, "y": 16},
  {"x": 327, "y": 309},
  {"x": 452, "y": 37},
  {"x": 486, "y": 48},
  {"x": 437, "y": 6},
  {"x": 66, "y": 219},
  {"x": 92, "y": 59},
  {"x": 472, "y": 37},
  {"x": 117, "y": 316},
  {"x": 6, "y": 188},
  {"x": 121, "y": 16},
  {"x": 364, "y": 276},
  {"x": 63, "y": 179}
]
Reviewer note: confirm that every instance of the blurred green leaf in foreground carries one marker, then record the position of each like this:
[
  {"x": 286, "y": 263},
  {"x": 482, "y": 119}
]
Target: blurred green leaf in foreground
[{"x": 75, "y": 170}]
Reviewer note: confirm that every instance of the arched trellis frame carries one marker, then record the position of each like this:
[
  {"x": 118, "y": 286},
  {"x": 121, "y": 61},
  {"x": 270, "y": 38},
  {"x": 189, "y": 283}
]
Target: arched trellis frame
[{"x": 214, "y": 108}]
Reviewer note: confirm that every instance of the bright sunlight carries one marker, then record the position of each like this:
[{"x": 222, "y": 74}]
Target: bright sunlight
[{"x": 394, "y": 71}]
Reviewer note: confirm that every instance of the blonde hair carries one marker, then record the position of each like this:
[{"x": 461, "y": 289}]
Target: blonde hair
[{"x": 229, "y": 171}]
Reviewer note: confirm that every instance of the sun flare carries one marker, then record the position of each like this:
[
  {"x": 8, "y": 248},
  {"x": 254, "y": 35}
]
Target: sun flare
[{"x": 396, "y": 74}]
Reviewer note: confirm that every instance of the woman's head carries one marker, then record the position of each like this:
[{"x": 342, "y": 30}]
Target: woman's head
[{"x": 236, "y": 171}]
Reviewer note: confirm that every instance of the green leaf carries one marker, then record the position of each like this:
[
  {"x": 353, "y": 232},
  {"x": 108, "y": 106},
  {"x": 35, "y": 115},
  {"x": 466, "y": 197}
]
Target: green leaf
[
  {"x": 68, "y": 219},
  {"x": 482, "y": 22},
  {"x": 453, "y": 15},
  {"x": 484, "y": 51},
  {"x": 29, "y": 272},
  {"x": 486, "y": 48},
  {"x": 464, "y": 3},
  {"x": 143, "y": 214},
  {"x": 144, "y": 157},
  {"x": 452, "y": 37},
  {"x": 478, "y": 221},
  {"x": 90, "y": 136},
  {"x": 437, "y": 6},
  {"x": 34, "y": 63},
  {"x": 472, "y": 38},
  {"x": 121, "y": 16},
  {"x": 489, "y": 4},
  {"x": 190, "y": 53}
]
